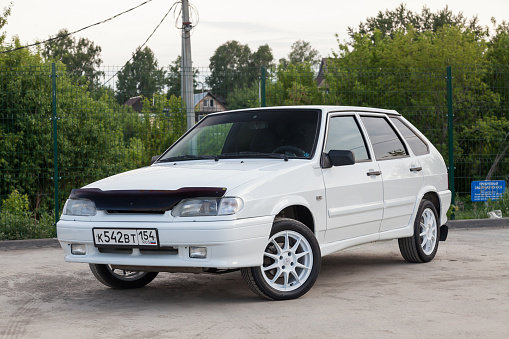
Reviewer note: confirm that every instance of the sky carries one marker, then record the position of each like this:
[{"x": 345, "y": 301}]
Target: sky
[{"x": 276, "y": 23}]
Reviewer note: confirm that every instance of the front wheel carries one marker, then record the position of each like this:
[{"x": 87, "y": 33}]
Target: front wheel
[
  {"x": 121, "y": 279},
  {"x": 423, "y": 245},
  {"x": 291, "y": 262}
]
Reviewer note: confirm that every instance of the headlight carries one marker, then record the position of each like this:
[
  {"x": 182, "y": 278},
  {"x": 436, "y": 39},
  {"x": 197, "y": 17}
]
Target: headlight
[
  {"x": 82, "y": 207},
  {"x": 201, "y": 207}
]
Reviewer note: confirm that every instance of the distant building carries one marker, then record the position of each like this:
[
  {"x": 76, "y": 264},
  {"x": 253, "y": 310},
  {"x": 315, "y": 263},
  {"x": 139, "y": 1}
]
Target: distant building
[
  {"x": 205, "y": 103},
  {"x": 136, "y": 103},
  {"x": 320, "y": 78}
]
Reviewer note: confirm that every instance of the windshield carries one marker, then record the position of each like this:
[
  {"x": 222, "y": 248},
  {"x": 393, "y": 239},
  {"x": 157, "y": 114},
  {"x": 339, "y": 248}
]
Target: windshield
[{"x": 283, "y": 133}]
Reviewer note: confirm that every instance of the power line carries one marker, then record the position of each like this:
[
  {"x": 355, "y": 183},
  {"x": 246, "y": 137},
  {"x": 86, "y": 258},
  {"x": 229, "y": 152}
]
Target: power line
[
  {"x": 139, "y": 48},
  {"x": 79, "y": 30}
]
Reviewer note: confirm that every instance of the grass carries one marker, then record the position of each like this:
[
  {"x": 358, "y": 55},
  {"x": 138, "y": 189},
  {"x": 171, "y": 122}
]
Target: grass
[{"x": 464, "y": 208}]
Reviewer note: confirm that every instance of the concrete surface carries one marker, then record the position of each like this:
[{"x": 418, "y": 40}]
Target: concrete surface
[
  {"x": 53, "y": 242},
  {"x": 367, "y": 292}
]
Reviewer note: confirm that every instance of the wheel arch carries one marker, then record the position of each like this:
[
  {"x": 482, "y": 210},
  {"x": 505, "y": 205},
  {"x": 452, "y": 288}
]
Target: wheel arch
[
  {"x": 300, "y": 213},
  {"x": 435, "y": 200}
]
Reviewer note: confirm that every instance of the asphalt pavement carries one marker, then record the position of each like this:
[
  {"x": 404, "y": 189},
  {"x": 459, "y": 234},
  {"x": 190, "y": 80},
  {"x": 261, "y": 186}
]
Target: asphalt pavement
[{"x": 365, "y": 292}]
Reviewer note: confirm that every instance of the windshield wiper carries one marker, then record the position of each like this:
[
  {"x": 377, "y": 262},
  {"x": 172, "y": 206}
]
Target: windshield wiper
[
  {"x": 188, "y": 157},
  {"x": 253, "y": 155}
]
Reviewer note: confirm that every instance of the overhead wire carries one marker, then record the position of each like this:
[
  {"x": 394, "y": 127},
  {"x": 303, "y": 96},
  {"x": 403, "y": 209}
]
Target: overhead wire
[
  {"x": 74, "y": 32},
  {"x": 140, "y": 47}
]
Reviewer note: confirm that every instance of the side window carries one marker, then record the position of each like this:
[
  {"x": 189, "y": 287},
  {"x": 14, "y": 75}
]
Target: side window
[
  {"x": 344, "y": 134},
  {"x": 386, "y": 142},
  {"x": 418, "y": 146}
]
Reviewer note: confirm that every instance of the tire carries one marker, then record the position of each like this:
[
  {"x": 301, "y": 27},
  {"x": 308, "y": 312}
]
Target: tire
[
  {"x": 423, "y": 245},
  {"x": 291, "y": 263},
  {"x": 120, "y": 279}
]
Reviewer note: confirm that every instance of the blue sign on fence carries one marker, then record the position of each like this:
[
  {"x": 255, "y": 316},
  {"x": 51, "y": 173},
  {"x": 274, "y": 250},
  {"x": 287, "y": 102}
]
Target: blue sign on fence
[{"x": 487, "y": 189}]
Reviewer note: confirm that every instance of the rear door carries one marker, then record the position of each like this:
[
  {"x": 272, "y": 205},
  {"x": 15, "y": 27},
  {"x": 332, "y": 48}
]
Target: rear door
[
  {"x": 401, "y": 172},
  {"x": 354, "y": 196}
]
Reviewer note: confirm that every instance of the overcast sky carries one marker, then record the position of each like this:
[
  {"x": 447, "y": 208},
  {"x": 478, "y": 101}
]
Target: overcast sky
[{"x": 277, "y": 23}]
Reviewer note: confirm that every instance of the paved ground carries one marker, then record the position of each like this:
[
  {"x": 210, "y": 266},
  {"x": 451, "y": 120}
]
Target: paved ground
[{"x": 366, "y": 292}]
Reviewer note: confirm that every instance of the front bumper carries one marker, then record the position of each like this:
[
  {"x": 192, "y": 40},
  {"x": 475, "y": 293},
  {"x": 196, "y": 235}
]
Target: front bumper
[{"x": 230, "y": 244}]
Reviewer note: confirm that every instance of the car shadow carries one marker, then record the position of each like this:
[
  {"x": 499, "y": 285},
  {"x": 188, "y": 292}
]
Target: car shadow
[{"x": 341, "y": 269}]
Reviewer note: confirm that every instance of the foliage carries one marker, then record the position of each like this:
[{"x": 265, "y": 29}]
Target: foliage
[
  {"x": 174, "y": 78},
  {"x": 301, "y": 52},
  {"x": 140, "y": 77},
  {"x": 82, "y": 57},
  {"x": 15, "y": 203},
  {"x": 3, "y": 21},
  {"x": 246, "y": 97},
  {"x": 406, "y": 70},
  {"x": 467, "y": 209},
  {"x": 489, "y": 135},
  {"x": 262, "y": 57},
  {"x": 96, "y": 138},
  {"x": 234, "y": 66},
  {"x": 293, "y": 85},
  {"x": 26, "y": 226},
  {"x": 17, "y": 222},
  {"x": 401, "y": 18}
]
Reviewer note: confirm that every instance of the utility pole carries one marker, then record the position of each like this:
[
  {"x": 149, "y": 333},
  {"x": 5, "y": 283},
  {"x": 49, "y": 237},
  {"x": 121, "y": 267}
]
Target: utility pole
[{"x": 187, "y": 91}]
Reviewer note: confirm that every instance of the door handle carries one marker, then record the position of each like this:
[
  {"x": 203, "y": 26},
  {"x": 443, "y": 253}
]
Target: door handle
[
  {"x": 374, "y": 173},
  {"x": 415, "y": 169}
]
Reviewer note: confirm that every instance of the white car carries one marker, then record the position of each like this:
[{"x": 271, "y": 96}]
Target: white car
[{"x": 268, "y": 191}]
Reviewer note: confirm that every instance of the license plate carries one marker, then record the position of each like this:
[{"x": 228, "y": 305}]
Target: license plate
[{"x": 129, "y": 237}]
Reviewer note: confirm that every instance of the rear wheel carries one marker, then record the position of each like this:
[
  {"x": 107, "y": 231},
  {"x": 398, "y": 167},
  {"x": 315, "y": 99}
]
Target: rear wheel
[
  {"x": 291, "y": 262},
  {"x": 121, "y": 279},
  {"x": 423, "y": 245}
]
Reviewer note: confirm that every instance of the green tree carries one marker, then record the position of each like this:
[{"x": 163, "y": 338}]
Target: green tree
[
  {"x": 3, "y": 21},
  {"x": 406, "y": 70},
  {"x": 81, "y": 56},
  {"x": 293, "y": 84},
  {"x": 174, "y": 78},
  {"x": 262, "y": 57},
  {"x": 303, "y": 52},
  {"x": 246, "y": 97},
  {"x": 389, "y": 22},
  {"x": 233, "y": 65},
  {"x": 140, "y": 77}
]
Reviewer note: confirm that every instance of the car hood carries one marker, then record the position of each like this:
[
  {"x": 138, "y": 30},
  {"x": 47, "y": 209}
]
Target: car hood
[{"x": 227, "y": 174}]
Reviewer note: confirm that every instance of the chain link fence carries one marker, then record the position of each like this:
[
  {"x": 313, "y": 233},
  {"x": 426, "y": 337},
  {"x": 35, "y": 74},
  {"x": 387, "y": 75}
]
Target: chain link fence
[{"x": 60, "y": 130}]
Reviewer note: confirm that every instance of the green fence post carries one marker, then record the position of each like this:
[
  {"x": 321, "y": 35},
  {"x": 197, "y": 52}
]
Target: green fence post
[
  {"x": 264, "y": 77},
  {"x": 55, "y": 143},
  {"x": 450, "y": 136}
]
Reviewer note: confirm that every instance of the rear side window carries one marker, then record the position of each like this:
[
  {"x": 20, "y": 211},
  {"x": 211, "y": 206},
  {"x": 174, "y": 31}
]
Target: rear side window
[
  {"x": 386, "y": 142},
  {"x": 344, "y": 134},
  {"x": 418, "y": 146}
]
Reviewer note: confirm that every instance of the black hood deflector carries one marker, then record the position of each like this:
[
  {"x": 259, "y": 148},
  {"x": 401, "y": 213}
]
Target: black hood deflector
[{"x": 143, "y": 200}]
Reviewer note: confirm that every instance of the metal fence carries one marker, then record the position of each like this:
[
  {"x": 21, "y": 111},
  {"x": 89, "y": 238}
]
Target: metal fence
[{"x": 60, "y": 130}]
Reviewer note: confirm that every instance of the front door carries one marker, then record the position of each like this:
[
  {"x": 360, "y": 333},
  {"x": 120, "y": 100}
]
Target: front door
[{"x": 354, "y": 192}]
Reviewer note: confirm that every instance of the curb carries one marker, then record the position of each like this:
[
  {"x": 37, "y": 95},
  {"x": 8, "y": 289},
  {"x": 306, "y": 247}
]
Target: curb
[
  {"x": 453, "y": 224},
  {"x": 478, "y": 223},
  {"x": 28, "y": 244}
]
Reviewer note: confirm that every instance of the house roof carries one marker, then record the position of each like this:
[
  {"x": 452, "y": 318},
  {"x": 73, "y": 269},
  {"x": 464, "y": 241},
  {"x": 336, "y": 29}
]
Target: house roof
[
  {"x": 321, "y": 73},
  {"x": 199, "y": 97},
  {"x": 131, "y": 101}
]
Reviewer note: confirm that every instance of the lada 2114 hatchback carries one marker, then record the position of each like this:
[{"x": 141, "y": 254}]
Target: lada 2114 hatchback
[{"x": 265, "y": 191}]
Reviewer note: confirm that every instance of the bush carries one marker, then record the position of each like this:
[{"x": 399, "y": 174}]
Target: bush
[
  {"x": 466, "y": 209},
  {"x": 17, "y": 222}
]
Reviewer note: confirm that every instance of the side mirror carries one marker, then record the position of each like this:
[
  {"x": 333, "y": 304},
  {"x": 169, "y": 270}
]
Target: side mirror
[
  {"x": 154, "y": 158},
  {"x": 337, "y": 158}
]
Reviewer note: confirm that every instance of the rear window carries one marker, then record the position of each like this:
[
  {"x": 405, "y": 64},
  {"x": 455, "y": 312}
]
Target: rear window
[
  {"x": 384, "y": 139},
  {"x": 418, "y": 146}
]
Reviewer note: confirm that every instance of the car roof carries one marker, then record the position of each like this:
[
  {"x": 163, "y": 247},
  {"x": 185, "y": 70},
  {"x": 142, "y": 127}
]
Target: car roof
[{"x": 325, "y": 109}]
